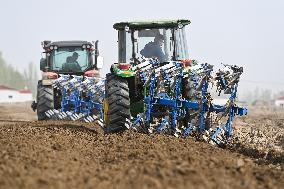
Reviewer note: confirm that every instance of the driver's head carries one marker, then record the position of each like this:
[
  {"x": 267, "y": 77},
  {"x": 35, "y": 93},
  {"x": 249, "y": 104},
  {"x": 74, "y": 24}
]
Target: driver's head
[
  {"x": 75, "y": 55},
  {"x": 159, "y": 39}
]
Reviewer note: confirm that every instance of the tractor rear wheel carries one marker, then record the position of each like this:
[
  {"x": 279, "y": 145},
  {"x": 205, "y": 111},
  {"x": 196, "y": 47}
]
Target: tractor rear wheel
[
  {"x": 117, "y": 104},
  {"x": 191, "y": 94},
  {"x": 45, "y": 100}
]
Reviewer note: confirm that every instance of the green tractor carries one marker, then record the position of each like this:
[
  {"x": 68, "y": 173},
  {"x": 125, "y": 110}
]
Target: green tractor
[{"x": 163, "y": 41}]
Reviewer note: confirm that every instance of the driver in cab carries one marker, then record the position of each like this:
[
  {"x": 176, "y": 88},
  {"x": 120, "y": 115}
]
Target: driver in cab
[
  {"x": 154, "y": 49},
  {"x": 72, "y": 64}
]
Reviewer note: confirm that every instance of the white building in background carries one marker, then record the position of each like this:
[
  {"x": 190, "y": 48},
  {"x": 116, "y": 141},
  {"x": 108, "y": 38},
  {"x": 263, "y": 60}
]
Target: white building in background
[
  {"x": 279, "y": 102},
  {"x": 8, "y": 95}
]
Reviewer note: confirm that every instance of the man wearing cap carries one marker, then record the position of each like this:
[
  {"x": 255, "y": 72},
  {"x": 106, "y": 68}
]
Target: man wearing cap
[{"x": 154, "y": 49}]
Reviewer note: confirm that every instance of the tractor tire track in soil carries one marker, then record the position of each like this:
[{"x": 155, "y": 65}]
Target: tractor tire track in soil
[{"x": 57, "y": 154}]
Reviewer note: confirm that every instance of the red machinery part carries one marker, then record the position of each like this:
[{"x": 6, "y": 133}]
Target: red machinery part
[
  {"x": 187, "y": 62},
  {"x": 50, "y": 75},
  {"x": 124, "y": 66},
  {"x": 91, "y": 73}
]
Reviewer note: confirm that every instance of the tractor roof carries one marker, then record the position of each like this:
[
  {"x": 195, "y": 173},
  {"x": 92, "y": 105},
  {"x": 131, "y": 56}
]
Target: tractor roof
[
  {"x": 151, "y": 24},
  {"x": 68, "y": 43}
]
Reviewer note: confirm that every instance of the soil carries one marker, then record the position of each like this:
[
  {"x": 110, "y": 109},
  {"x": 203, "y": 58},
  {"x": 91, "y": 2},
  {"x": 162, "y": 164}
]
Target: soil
[{"x": 58, "y": 154}]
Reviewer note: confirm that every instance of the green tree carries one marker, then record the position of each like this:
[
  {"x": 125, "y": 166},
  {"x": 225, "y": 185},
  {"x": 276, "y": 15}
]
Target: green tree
[
  {"x": 31, "y": 77},
  {"x": 11, "y": 77}
]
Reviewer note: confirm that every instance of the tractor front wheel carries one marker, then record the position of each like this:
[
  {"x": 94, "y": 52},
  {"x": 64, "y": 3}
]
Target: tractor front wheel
[
  {"x": 117, "y": 104},
  {"x": 45, "y": 100}
]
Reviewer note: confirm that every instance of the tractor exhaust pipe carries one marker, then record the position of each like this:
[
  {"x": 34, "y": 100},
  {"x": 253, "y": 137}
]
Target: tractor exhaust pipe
[{"x": 97, "y": 53}]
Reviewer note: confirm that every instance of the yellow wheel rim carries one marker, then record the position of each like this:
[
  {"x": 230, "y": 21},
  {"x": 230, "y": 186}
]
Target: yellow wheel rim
[{"x": 106, "y": 111}]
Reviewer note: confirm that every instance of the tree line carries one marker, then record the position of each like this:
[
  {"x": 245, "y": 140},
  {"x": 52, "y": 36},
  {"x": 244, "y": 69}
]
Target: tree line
[{"x": 11, "y": 77}]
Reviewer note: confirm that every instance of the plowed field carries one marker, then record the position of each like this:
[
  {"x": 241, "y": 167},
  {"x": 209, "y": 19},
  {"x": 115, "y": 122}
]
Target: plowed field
[{"x": 78, "y": 155}]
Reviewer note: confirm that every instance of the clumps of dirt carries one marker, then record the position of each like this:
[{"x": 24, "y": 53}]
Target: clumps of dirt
[
  {"x": 271, "y": 158},
  {"x": 261, "y": 132},
  {"x": 260, "y": 136},
  {"x": 280, "y": 141},
  {"x": 58, "y": 154},
  {"x": 76, "y": 155}
]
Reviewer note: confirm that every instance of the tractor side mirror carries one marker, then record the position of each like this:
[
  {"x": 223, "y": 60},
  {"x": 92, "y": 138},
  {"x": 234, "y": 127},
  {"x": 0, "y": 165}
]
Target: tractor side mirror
[
  {"x": 100, "y": 62},
  {"x": 43, "y": 64}
]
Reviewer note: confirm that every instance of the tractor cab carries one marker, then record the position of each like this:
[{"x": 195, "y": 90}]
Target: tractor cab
[
  {"x": 70, "y": 57},
  {"x": 164, "y": 40}
]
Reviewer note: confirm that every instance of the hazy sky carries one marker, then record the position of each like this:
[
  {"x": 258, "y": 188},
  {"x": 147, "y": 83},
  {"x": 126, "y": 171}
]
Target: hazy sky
[{"x": 243, "y": 32}]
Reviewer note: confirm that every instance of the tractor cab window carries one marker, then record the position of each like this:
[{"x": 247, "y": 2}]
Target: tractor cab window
[
  {"x": 163, "y": 44},
  {"x": 181, "y": 48},
  {"x": 70, "y": 59},
  {"x": 154, "y": 43}
]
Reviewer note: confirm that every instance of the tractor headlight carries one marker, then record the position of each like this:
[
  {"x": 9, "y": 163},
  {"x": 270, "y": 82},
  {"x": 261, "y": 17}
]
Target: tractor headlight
[
  {"x": 88, "y": 46},
  {"x": 126, "y": 28},
  {"x": 55, "y": 47},
  {"x": 51, "y": 47},
  {"x": 84, "y": 46},
  {"x": 180, "y": 26}
]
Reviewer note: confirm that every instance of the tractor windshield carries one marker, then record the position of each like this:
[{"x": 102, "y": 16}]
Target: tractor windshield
[
  {"x": 154, "y": 43},
  {"x": 70, "y": 59},
  {"x": 163, "y": 44}
]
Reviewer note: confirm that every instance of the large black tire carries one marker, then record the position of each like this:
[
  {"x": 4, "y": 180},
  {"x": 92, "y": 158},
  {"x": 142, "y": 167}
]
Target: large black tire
[
  {"x": 117, "y": 104},
  {"x": 45, "y": 100},
  {"x": 190, "y": 93}
]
